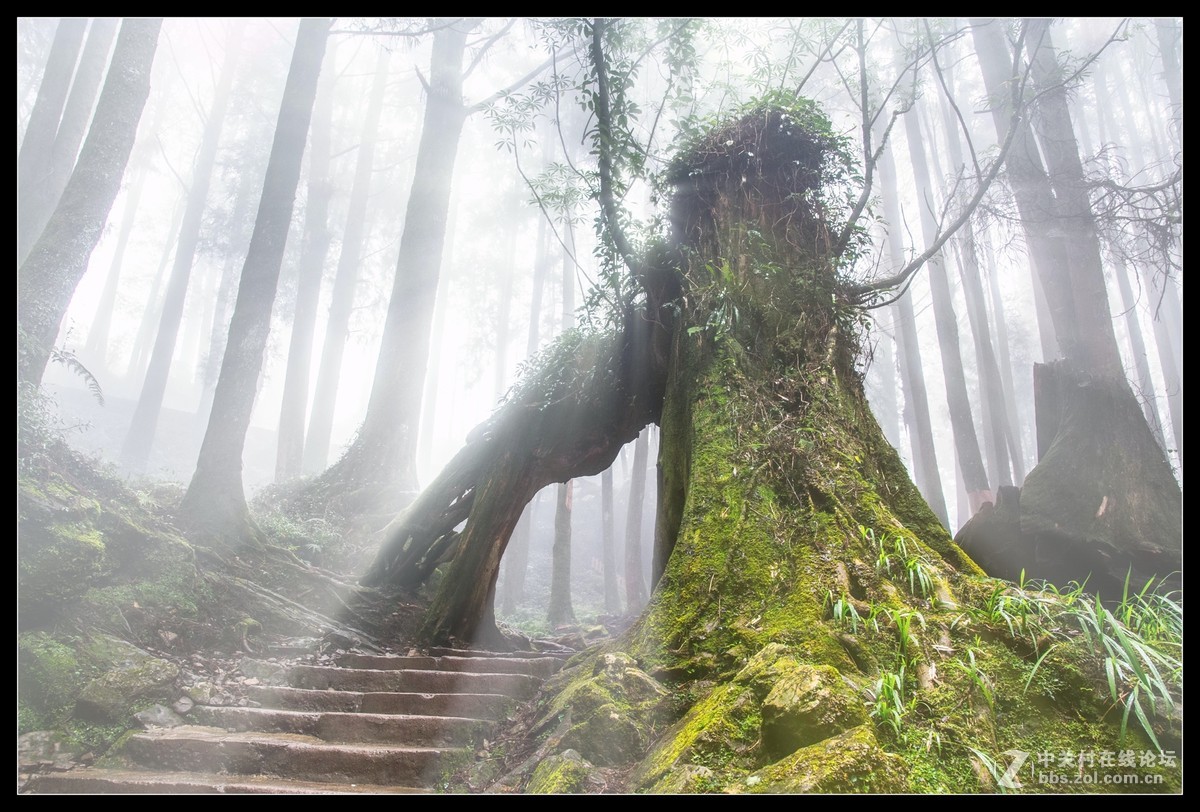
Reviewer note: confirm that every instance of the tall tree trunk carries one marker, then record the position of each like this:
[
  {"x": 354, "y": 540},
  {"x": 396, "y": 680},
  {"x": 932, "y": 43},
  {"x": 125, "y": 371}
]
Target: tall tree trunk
[
  {"x": 215, "y": 502},
  {"x": 39, "y": 200},
  {"x": 37, "y": 147},
  {"x": 608, "y": 544},
  {"x": 966, "y": 443},
  {"x": 235, "y": 255},
  {"x": 1167, "y": 32},
  {"x": 884, "y": 399},
  {"x": 290, "y": 451},
  {"x": 1097, "y": 350},
  {"x": 46, "y": 281},
  {"x": 437, "y": 337},
  {"x": 997, "y": 430},
  {"x": 135, "y": 452},
  {"x": 635, "y": 580},
  {"x": 381, "y": 463},
  {"x": 143, "y": 341},
  {"x": 912, "y": 376},
  {"x": 516, "y": 559},
  {"x": 96, "y": 348},
  {"x": 1017, "y": 444},
  {"x": 560, "y": 611},
  {"x": 345, "y": 280},
  {"x": 1137, "y": 350}
]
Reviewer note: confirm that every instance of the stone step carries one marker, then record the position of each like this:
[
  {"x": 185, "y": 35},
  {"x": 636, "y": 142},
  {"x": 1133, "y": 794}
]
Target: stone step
[
  {"x": 131, "y": 782},
  {"x": 475, "y": 706},
  {"x": 286, "y": 755},
  {"x": 560, "y": 652},
  {"x": 520, "y": 686},
  {"x": 533, "y": 666},
  {"x": 424, "y": 731}
]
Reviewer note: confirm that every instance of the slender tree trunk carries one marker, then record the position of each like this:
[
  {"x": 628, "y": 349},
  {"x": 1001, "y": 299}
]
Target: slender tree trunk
[
  {"x": 381, "y": 463},
  {"x": 1169, "y": 37},
  {"x": 143, "y": 342},
  {"x": 997, "y": 429},
  {"x": 215, "y": 502},
  {"x": 1017, "y": 444},
  {"x": 46, "y": 281},
  {"x": 33, "y": 159},
  {"x": 608, "y": 544},
  {"x": 98, "y": 338},
  {"x": 341, "y": 304},
  {"x": 912, "y": 376},
  {"x": 560, "y": 612},
  {"x": 1137, "y": 350},
  {"x": 516, "y": 559},
  {"x": 1097, "y": 349},
  {"x": 635, "y": 580},
  {"x": 135, "y": 452},
  {"x": 39, "y": 200},
  {"x": 966, "y": 443},
  {"x": 884, "y": 401},
  {"x": 141, "y": 161},
  {"x": 235, "y": 254},
  {"x": 290, "y": 451},
  {"x": 437, "y": 337}
]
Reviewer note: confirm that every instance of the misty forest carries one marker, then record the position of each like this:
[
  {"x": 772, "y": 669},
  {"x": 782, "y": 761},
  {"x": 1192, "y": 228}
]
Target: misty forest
[{"x": 546, "y": 405}]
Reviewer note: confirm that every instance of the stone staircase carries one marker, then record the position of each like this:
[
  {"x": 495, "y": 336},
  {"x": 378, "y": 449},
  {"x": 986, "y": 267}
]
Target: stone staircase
[{"x": 369, "y": 724}]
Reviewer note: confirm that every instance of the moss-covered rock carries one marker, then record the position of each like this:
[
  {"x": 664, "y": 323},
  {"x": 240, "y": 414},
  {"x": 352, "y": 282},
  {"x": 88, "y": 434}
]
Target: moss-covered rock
[
  {"x": 49, "y": 677},
  {"x": 807, "y": 705},
  {"x": 564, "y": 773},
  {"x": 610, "y": 714},
  {"x": 850, "y": 762},
  {"x": 113, "y": 695}
]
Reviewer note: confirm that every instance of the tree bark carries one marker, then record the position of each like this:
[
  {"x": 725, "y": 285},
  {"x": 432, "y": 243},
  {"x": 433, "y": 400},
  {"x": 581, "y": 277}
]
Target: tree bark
[
  {"x": 39, "y": 200},
  {"x": 635, "y": 581},
  {"x": 46, "y": 281},
  {"x": 912, "y": 375},
  {"x": 966, "y": 443},
  {"x": 290, "y": 451},
  {"x": 560, "y": 612},
  {"x": 215, "y": 502},
  {"x": 37, "y": 147},
  {"x": 608, "y": 544},
  {"x": 135, "y": 452}
]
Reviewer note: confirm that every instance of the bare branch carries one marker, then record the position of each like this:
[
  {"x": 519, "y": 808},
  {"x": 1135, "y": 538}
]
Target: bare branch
[
  {"x": 937, "y": 68},
  {"x": 517, "y": 85},
  {"x": 487, "y": 44}
]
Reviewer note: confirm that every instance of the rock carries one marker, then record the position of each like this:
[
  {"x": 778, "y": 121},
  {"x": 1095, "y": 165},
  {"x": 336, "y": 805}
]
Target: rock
[
  {"x": 339, "y": 640},
  {"x": 111, "y": 696},
  {"x": 565, "y": 773},
  {"x": 685, "y": 779},
  {"x": 850, "y": 762},
  {"x": 183, "y": 705},
  {"x": 45, "y": 749},
  {"x": 157, "y": 716},
  {"x": 200, "y": 693},
  {"x": 266, "y": 672},
  {"x": 612, "y": 713},
  {"x": 806, "y": 705}
]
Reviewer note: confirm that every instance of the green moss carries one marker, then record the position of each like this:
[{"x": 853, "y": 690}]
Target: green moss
[
  {"x": 850, "y": 762},
  {"x": 49, "y": 678},
  {"x": 564, "y": 773}
]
